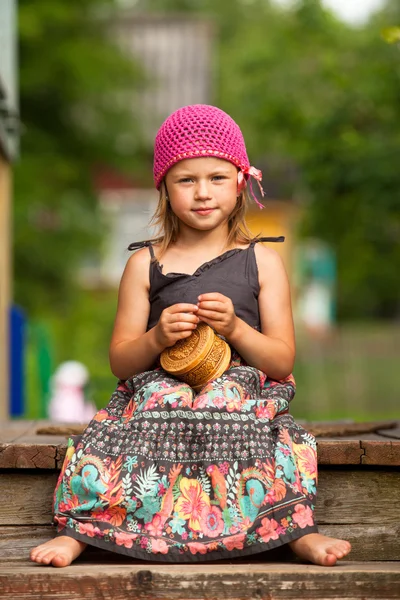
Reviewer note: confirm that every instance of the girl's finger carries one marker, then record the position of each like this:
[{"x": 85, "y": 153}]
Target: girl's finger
[
  {"x": 212, "y": 305},
  {"x": 184, "y": 317},
  {"x": 182, "y": 308},
  {"x": 211, "y": 314}
]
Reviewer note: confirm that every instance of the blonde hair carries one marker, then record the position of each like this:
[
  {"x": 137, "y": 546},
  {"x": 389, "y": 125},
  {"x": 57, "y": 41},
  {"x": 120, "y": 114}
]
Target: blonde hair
[{"x": 167, "y": 223}]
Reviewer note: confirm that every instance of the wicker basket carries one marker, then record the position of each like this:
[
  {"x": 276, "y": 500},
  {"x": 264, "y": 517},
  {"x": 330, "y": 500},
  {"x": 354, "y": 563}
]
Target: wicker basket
[{"x": 198, "y": 359}]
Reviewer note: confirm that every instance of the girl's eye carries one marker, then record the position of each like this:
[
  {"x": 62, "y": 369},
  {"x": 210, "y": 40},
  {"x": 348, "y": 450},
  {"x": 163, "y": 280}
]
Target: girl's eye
[
  {"x": 184, "y": 179},
  {"x": 219, "y": 177}
]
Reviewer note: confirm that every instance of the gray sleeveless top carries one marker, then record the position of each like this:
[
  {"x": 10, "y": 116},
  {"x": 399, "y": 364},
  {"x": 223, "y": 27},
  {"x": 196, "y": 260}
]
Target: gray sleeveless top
[{"x": 233, "y": 274}]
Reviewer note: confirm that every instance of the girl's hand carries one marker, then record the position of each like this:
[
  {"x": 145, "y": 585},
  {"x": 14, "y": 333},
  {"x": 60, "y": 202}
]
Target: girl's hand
[
  {"x": 176, "y": 322},
  {"x": 217, "y": 310}
]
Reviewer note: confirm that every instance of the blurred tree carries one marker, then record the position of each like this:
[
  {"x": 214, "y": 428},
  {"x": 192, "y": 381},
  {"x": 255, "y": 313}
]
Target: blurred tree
[
  {"x": 76, "y": 90},
  {"x": 305, "y": 86}
]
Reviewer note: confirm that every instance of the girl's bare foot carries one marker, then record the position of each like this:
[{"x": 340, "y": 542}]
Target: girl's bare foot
[
  {"x": 320, "y": 549},
  {"x": 59, "y": 552}
]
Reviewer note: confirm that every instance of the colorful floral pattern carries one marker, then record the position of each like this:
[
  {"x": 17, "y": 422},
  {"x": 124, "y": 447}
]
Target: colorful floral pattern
[{"x": 164, "y": 473}]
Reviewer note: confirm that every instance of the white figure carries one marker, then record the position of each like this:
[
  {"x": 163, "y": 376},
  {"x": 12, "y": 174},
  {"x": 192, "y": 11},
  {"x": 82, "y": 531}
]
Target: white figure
[{"x": 68, "y": 403}]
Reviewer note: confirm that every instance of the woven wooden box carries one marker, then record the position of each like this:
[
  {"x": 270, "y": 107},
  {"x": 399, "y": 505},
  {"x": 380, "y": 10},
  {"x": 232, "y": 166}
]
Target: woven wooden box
[{"x": 198, "y": 359}]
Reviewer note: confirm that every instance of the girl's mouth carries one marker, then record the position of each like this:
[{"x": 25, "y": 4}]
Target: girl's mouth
[{"x": 204, "y": 211}]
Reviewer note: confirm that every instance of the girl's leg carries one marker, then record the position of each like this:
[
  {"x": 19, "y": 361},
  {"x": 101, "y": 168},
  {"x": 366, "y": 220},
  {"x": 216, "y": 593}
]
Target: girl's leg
[{"x": 60, "y": 552}]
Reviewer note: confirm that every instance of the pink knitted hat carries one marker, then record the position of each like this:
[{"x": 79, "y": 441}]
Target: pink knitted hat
[{"x": 202, "y": 130}]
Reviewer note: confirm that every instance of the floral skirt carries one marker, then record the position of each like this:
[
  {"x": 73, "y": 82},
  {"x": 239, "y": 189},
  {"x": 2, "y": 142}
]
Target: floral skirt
[{"x": 163, "y": 473}]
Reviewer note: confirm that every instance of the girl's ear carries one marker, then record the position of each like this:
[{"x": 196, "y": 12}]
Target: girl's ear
[{"x": 241, "y": 182}]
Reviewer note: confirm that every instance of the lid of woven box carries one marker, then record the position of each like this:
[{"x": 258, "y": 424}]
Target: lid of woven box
[{"x": 186, "y": 354}]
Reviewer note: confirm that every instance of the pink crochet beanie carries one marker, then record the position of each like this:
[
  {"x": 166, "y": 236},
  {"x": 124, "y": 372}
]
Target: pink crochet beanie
[{"x": 201, "y": 130}]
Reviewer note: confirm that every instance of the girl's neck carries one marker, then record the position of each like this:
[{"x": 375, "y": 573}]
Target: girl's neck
[{"x": 195, "y": 239}]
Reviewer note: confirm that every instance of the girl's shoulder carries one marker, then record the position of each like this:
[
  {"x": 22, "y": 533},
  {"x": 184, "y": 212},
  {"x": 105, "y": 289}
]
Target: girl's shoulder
[
  {"x": 137, "y": 267},
  {"x": 269, "y": 263}
]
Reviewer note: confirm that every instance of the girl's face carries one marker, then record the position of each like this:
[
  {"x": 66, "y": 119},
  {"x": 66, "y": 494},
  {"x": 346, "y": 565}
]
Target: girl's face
[{"x": 202, "y": 191}]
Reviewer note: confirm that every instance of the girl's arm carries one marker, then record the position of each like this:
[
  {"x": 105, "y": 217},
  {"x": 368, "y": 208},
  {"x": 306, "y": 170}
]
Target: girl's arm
[
  {"x": 132, "y": 349},
  {"x": 272, "y": 351}
]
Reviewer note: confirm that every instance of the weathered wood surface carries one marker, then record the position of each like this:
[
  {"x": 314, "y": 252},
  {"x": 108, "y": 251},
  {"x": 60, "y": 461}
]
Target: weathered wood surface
[
  {"x": 392, "y": 433},
  {"x": 330, "y": 452},
  {"x": 369, "y": 543},
  {"x": 361, "y": 506},
  {"x": 17, "y": 542},
  {"x": 29, "y": 456},
  {"x": 344, "y": 497},
  {"x": 26, "y": 499},
  {"x": 234, "y": 581},
  {"x": 378, "y": 452},
  {"x": 348, "y": 452},
  {"x": 323, "y": 429}
]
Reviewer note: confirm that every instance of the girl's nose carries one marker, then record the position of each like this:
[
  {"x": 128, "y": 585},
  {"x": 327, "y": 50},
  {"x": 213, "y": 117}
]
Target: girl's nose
[{"x": 202, "y": 190}]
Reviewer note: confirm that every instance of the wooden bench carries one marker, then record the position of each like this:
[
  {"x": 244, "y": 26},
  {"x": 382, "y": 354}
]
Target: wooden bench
[{"x": 358, "y": 499}]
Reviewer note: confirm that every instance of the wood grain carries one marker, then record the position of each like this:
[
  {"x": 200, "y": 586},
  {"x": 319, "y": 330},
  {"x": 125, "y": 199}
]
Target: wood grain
[
  {"x": 381, "y": 453},
  {"x": 345, "y": 452},
  {"x": 30, "y": 450},
  {"x": 369, "y": 543},
  {"x": 345, "y": 497},
  {"x": 27, "y": 456},
  {"x": 27, "y": 499},
  {"x": 348, "y": 581},
  {"x": 365, "y": 496}
]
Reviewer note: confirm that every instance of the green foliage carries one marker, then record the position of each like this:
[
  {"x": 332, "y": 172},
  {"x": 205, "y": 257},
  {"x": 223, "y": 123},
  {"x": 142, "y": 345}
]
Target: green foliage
[
  {"x": 76, "y": 87},
  {"x": 304, "y": 87},
  {"x": 307, "y": 89}
]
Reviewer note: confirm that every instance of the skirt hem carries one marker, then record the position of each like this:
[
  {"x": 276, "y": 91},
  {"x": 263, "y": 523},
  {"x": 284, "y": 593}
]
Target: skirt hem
[{"x": 187, "y": 557}]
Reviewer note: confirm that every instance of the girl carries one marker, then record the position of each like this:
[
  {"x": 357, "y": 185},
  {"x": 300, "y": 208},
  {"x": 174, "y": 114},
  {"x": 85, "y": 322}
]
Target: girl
[{"x": 164, "y": 473}]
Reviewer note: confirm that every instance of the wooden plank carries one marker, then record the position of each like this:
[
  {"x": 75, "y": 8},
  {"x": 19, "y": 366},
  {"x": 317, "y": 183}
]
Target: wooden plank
[
  {"x": 335, "y": 429},
  {"x": 330, "y": 429},
  {"x": 27, "y": 499},
  {"x": 60, "y": 455},
  {"x": 11, "y": 431},
  {"x": 47, "y": 452},
  {"x": 17, "y": 542},
  {"x": 369, "y": 543},
  {"x": 45, "y": 456},
  {"x": 40, "y": 451},
  {"x": 381, "y": 453},
  {"x": 392, "y": 433},
  {"x": 27, "y": 456},
  {"x": 358, "y": 496},
  {"x": 333, "y": 452},
  {"x": 348, "y": 581},
  {"x": 363, "y": 497}
]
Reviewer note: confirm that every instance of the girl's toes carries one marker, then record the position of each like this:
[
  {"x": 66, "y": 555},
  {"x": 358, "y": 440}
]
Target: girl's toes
[
  {"x": 60, "y": 560},
  {"x": 45, "y": 557},
  {"x": 329, "y": 559},
  {"x": 39, "y": 556},
  {"x": 34, "y": 553},
  {"x": 344, "y": 547}
]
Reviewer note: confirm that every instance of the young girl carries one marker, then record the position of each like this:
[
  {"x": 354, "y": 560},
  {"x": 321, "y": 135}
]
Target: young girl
[{"x": 164, "y": 473}]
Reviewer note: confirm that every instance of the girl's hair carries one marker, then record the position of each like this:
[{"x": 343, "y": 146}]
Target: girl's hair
[{"x": 167, "y": 223}]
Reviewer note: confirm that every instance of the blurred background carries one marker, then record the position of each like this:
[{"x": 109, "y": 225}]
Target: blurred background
[{"x": 315, "y": 88}]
